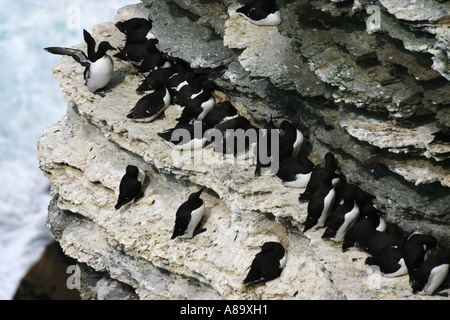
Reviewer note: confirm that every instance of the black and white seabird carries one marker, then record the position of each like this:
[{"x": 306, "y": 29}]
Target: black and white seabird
[
  {"x": 415, "y": 249},
  {"x": 321, "y": 203},
  {"x": 188, "y": 89},
  {"x": 232, "y": 138},
  {"x": 290, "y": 141},
  {"x": 432, "y": 273},
  {"x": 151, "y": 62},
  {"x": 198, "y": 107},
  {"x": 295, "y": 172},
  {"x": 155, "y": 78},
  {"x": 132, "y": 25},
  {"x": 220, "y": 113},
  {"x": 369, "y": 239},
  {"x": 144, "y": 56},
  {"x": 261, "y": 12},
  {"x": 188, "y": 216},
  {"x": 374, "y": 216},
  {"x": 343, "y": 217},
  {"x": 263, "y": 149},
  {"x": 150, "y": 106},
  {"x": 389, "y": 261},
  {"x": 98, "y": 65},
  {"x": 317, "y": 174},
  {"x": 136, "y": 30},
  {"x": 178, "y": 79},
  {"x": 130, "y": 187},
  {"x": 188, "y": 136},
  {"x": 267, "y": 264}
]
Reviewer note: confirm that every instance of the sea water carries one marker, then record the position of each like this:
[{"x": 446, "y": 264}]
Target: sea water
[{"x": 30, "y": 100}]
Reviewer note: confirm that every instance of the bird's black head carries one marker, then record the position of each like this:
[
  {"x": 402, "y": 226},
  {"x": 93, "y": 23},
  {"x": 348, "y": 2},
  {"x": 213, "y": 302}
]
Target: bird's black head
[
  {"x": 286, "y": 125},
  {"x": 132, "y": 170},
  {"x": 105, "y": 46},
  {"x": 272, "y": 246},
  {"x": 329, "y": 158},
  {"x": 196, "y": 195}
]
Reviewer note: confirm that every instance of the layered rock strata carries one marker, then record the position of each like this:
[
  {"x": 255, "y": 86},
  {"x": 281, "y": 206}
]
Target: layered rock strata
[{"x": 375, "y": 97}]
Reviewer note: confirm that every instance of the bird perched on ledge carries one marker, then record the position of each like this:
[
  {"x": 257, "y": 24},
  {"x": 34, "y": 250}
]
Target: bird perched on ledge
[
  {"x": 267, "y": 264},
  {"x": 98, "y": 65},
  {"x": 130, "y": 187},
  {"x": 261, "y": 13},
  {"x": 188, "y": 216},
  {"x": 149, "y": 107}
]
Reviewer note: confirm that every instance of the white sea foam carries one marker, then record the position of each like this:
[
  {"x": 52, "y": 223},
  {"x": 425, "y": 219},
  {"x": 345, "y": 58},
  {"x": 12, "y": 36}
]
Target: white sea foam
[{"x": 31, "y": 100}]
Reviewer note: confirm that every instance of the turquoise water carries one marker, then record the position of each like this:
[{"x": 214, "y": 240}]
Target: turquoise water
[{"x": 30, "y": 100}]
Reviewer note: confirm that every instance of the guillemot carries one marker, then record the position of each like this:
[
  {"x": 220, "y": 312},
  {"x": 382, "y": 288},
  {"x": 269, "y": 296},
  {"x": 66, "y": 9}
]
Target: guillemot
[
  {"x": 149, "y": 107},
  {"x": 188, "y": 216},
  {"x": 184, "y": 136},
  {"x": 290, "y": 141},
  {"x": 321, "y": 203},
  {"x": 98, "y": 65},
  {"x": 431, "y": 273},
  {"x": 130, "y": 187},
  {"x": 261, "y": 13},
  {"x": 220, "y": 113},
  {"x": 295, "y": 172},
  {"x": 267, "y": 264},
  {"x": 343, "y": 218}
]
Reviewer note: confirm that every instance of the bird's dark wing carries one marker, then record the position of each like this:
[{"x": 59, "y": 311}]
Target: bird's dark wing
[
  {"x": 386, "y": 259},
  {"x": 78, "y": 55},
  {"x": 255, "y": 270},
  {"x": 132, "y": 189},
  {"x": 271, "y": 270},
  {"x": 182, "y": 219},
  {"x": 90, "y": 45}
]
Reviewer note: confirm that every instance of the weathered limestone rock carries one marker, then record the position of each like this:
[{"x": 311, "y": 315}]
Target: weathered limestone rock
[{"x": 366, "y": 97}]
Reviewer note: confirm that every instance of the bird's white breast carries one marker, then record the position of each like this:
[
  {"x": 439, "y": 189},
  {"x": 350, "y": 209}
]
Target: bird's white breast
[
  {"x": 349, "y": 220},
  {"x": 327, "y": 204},
  {"x": 207, "y": 106},
  {"x": 437, "y": 276},
  {"x": 100, "y": 72},
  {"x": 297, "y": 144},
  {"x": 402, "y": 270},
  {"x": 196, "y": 216},
  {"x": 283, "y": 261}
]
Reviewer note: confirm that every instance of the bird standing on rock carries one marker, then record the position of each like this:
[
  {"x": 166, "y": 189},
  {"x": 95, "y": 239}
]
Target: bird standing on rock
[
  {"x": 315, "y": 180},
  {"x": 321, "y": 203},
  {"x": 98, "y": 65},
  {"x": 149, "y": 107},
  {"x": 291, "y": 141},
  {"x": 261, "y": 12},
  {"x": 432, "y": 273},
  {"x": 389, "y": 260},
  {"x": 416, "y": 246},
  {"x": 295, "y": 173},
  {"x": 267, "y": 264},
  {"x": 369, "y": 239},
  {"x": 130, "y": 187},
  {"x": 342, "y": 219},
  {"x": 188, "y": 216}
]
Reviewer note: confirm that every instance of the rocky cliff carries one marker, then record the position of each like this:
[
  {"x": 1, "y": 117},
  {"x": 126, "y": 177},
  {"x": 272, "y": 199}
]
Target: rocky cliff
[{"x": 366, "y": 80}]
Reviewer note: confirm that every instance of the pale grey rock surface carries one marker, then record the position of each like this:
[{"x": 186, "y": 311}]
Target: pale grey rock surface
[{"x": 333, "y": 80}]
